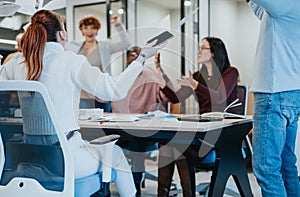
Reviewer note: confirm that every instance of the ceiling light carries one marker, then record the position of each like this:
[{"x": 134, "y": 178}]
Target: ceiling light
[
  {"x": 187, "y": 3},
  {"x": 120, "y": 11}
]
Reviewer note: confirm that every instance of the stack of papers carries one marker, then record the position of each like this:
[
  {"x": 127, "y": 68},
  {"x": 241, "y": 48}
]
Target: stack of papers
[
  {"x": 221, "y": 115},
  {"x": 88, "y": 114},
  {"x": 116, "y": 118},
  {"x": 160, "y": 115}
]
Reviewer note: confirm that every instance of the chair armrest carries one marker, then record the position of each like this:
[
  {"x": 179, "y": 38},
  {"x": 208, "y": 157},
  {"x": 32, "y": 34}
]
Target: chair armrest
[
  {"x": 107, "y": 143},
  {"x": 105, "y": 139}
]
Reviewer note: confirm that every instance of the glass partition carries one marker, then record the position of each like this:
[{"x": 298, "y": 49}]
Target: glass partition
[{"x": 103, "y": 11}]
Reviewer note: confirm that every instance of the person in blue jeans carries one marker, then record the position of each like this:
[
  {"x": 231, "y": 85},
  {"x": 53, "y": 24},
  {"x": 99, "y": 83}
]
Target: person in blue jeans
[{"x": 276, "y": 88}]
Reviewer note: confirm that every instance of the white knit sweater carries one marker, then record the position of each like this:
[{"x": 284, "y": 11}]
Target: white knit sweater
[{"x": 64, "y": 74}]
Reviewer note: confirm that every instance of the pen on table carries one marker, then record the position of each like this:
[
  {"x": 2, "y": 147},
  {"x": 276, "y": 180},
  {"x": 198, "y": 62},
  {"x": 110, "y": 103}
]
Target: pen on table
[{"x": 169, "y": 116}]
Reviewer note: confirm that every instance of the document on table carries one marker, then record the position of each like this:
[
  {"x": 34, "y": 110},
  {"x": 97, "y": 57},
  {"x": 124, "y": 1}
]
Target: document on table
[{"x": 116, "y": 118}]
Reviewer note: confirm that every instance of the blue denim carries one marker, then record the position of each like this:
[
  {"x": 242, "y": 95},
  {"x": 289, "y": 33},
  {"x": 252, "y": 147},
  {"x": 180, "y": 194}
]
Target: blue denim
[{"x": 274, "y": 134}]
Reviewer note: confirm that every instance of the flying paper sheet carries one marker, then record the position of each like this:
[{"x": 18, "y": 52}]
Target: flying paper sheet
[
  {"x": 29, "y": 7},
  {"x": 8, "y": 8}
]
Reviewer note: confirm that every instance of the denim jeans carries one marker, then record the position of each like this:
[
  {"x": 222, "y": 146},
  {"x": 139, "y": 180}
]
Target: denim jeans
[{"x": 274, "y": 134}]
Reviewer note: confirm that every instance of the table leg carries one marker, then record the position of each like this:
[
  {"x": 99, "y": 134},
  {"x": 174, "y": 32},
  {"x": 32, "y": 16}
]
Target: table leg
[{"x": 230, "y": 161}]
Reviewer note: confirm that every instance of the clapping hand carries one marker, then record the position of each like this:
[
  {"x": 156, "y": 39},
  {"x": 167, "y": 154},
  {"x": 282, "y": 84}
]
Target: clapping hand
[{"x": 188, "y": 81}]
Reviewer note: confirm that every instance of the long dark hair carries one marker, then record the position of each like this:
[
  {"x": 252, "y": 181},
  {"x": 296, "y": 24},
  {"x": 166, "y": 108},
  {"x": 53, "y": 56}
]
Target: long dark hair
[
  {"x": 43, "y": 28},
  {"x": 220, "y": 61}
]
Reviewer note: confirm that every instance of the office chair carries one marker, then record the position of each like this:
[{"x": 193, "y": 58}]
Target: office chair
[
  {"x": 151, "y": 154},
  {"x": 137, "y": 151},
  {"x": 45, "y": 170},
  {"x": 207, "y": 164}
]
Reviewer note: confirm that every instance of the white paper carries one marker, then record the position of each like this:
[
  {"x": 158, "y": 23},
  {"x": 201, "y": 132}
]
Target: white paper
[
  {"x": 55, "y": 5},
  {"x": 29, "y": 7},
  {"x": 8, "y": 8},
  {"x": 155, "y": 28},
  {"x": 185, "y": 19}
]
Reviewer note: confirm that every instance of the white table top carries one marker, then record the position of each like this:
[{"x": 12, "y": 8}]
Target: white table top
[
  {"x": 152, "y": 124},
  {"x": 165, "y": 124}
]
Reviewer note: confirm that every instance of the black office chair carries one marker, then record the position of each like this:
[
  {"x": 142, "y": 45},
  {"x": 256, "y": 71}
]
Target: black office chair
[{"x": 207, "y": 164}]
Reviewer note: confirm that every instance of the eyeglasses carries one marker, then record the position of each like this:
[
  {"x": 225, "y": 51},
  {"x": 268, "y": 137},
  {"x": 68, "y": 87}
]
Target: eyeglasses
[
  {"x": 133, "y": 54},
  {"x": 203, "y": 48}
]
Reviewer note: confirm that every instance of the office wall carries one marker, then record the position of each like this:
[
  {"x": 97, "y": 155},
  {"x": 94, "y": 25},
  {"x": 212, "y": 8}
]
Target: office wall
[
  {"x": 77, "y": 9},
  {"x": 231, "y": 20},
  {"x": 149, "y": 22},
  {"x": 234, "y": 22}
]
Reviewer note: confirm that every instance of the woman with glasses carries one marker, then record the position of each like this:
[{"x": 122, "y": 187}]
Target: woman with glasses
[
  {"x": 214, "y": 87},
  {"x": 215, "y": 84}
]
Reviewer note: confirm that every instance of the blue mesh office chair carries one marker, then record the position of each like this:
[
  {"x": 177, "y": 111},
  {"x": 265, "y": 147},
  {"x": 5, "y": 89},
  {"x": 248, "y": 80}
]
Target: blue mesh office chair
[
  {"x": 207, "y": 164},
  {"x": 43, "y": 170}
]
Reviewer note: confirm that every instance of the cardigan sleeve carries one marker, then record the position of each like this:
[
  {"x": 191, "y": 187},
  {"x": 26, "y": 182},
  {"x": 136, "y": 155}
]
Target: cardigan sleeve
[
  {"x": 225, "y": 88},
  {"x": 123, "y": 43}
]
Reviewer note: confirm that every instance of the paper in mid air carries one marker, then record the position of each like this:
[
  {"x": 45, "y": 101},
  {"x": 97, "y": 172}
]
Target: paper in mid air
[{"x": 8, "y": 8}]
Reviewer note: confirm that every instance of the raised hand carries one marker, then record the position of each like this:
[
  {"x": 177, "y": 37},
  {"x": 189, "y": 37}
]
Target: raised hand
[
  {"x": 149, "y": 50},
  {"x": 115, "y": 20},
  {"x": 157, "y": 62},
  {"x": 1, "y": 59},
  {"x": 157, "y": 59}
]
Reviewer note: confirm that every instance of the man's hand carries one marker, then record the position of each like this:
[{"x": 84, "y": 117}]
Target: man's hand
[
  {"x": 157, "y": 62},
  {"x": 157, "y": 59}
]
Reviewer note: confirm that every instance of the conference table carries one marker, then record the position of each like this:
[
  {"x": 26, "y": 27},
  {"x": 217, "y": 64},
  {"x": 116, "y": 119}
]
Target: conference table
[{"x": 225, "y": 136}]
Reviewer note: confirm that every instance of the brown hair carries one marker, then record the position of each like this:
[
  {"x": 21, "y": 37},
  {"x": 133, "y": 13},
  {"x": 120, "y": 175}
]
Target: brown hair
[
  {"x": 89, "y": 20},
  {"x": 43, "y": 28}
]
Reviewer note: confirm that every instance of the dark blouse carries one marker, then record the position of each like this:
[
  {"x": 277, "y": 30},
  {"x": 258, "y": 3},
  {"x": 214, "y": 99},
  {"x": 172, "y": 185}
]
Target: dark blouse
[{"x": 209, "y": 99}]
